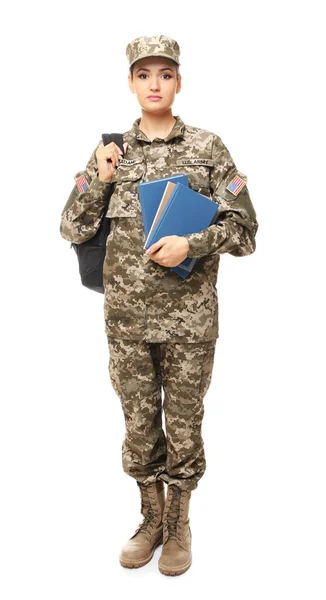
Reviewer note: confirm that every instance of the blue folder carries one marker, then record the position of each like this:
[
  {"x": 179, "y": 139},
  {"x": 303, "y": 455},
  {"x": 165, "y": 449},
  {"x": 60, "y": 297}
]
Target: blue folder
[
  {"x": 150, "y": 195},
  {"x": 185, "y": 212}
]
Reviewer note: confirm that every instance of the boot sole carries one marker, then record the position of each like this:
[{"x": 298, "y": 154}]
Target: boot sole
[
  {"x": 140, "y": 562},
  {"x": 174, "y": 570}
]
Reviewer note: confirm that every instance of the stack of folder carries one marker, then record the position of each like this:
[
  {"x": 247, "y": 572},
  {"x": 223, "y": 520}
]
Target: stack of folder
[{"x": 170, "y": 207}]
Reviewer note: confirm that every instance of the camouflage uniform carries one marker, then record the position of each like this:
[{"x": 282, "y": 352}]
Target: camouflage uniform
[
  {"x": 138, "y": 372},
  {"x": 152, "y": 315},
  {"x": 144, "y": 300}
]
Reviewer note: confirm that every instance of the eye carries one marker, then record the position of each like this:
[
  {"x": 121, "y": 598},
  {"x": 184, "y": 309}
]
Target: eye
[{"x": 163, "y": 75}]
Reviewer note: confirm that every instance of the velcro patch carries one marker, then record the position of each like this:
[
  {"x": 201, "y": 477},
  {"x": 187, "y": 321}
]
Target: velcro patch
[
  {"x": 207, "y": 162},
  {"x": 236, "y": 184},
  {"x": 81, "y": 183},
  {"x": 129, "y": 162}
]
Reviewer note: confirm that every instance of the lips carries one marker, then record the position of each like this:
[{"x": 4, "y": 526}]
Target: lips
[{"x": 154, "y": 97}]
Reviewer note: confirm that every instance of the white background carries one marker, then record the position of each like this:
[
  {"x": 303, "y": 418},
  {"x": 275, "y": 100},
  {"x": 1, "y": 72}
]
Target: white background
[{"x": 253, "y": 73}]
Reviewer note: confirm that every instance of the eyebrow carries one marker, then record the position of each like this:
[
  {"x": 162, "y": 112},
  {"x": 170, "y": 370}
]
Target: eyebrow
[{"x": 164, "y": 69}]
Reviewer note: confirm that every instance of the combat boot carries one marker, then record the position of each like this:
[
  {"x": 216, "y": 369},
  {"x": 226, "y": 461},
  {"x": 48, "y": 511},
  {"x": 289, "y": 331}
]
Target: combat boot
[
  {"x": 176, "y": 554},
  {"x": 149, "y": 534}
]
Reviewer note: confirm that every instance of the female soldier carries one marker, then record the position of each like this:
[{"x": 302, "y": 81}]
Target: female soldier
[{"x": 161, "y": 329}]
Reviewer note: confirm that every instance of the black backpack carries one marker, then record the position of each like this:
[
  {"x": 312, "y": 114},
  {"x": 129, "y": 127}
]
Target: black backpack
[{"x": 91, "y": 254}]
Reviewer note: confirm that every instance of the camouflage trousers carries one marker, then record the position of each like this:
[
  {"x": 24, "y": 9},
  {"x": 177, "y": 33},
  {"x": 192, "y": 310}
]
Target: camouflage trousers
[{"x": 138, "y": 371}]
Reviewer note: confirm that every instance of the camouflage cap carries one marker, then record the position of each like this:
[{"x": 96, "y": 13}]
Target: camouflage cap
[{"x": 159, "y": 45}]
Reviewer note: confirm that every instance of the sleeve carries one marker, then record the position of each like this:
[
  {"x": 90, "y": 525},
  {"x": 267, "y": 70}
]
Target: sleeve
[
  {"x": 237, "y": 227},
  {"x": 83, "y": 211}
]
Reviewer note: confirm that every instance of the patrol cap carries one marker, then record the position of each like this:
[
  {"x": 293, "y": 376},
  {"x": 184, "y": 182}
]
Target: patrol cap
[{"x": 159, "y": 45}]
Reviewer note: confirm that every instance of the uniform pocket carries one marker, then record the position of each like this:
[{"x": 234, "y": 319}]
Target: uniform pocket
[
  {"x": 207, "y": 368},
  {"x": 124, "y": 201},
  {"x": 198, "y": 171}
]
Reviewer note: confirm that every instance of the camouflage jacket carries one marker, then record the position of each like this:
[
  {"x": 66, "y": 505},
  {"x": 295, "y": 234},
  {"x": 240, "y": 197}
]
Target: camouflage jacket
[{"x": 144, "y": 300}]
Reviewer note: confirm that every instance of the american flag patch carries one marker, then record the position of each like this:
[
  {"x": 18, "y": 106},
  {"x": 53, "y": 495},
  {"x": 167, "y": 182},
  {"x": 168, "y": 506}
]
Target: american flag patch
[
  {"x": 236, "y": 185},
  {"x": 81, "y": 183}
]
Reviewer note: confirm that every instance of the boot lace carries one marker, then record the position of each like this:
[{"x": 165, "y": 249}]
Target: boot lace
[
  {"x": 148, "y": 508},
  {"x": 173, "y": 526}
]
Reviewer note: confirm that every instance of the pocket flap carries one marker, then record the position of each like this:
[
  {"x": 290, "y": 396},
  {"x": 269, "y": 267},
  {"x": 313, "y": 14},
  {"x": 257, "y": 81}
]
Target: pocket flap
[{"x": 129, "y": 170}]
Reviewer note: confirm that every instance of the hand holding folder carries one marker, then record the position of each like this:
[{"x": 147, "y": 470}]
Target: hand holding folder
[{"x": 180, "y": 211}]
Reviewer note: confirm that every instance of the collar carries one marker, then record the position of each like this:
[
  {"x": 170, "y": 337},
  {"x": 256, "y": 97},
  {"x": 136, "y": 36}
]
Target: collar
[{"x": 176, "y": 131}]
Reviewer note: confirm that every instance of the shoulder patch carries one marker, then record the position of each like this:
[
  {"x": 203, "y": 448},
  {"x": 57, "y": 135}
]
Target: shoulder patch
[
  {"x": 236, "y": 184},
  {"x": 81, "y": 183}
]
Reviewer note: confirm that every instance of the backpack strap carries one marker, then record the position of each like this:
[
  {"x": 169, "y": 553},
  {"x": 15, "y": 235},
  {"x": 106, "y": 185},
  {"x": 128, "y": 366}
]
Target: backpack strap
[{"x": 117, "y": 138}]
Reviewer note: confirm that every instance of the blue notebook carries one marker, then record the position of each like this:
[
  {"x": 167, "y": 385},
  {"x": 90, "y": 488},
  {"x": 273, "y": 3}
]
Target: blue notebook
[
  {"x": 185, "y": 211},
  {"x": 150, "y": 195}
]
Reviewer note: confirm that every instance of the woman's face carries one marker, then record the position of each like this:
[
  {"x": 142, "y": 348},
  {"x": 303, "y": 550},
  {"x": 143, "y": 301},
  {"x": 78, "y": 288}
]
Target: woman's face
[{"x": 155, "y": 76}]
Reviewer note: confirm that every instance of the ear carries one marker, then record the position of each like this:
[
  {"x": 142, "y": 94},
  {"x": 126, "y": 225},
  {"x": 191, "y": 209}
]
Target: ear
[
  {"x": 130, "y": 83},
  {"x": 178, "y": 88}
]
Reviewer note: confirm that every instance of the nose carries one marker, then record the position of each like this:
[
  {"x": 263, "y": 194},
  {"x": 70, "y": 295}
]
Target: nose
[{"x": 154, "y": 84}]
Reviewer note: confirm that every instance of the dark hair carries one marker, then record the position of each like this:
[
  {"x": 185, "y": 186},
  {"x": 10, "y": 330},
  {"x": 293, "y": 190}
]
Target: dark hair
[{"x": 131, "y": 69}]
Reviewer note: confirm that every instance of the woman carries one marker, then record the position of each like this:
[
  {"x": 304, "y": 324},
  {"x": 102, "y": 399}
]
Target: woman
[{"x": 161, "y": 329}]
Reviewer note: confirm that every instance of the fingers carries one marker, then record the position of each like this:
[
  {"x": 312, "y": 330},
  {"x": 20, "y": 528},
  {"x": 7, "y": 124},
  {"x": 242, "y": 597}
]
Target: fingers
[
  {"x": 118, "y": 152},
  {"x": 108, "y": 156},
  {"x": 109, "y": 152}
]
